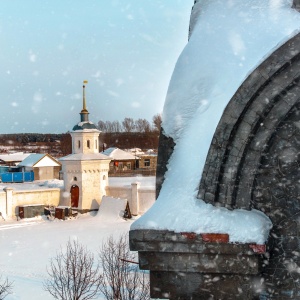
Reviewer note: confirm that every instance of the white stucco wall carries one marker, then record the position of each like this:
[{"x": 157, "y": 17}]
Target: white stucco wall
[
  {"x": 26, "y": 197},
  {"x": 47, "y": 162},
  {"x": 91, "y": 178},
  {"x": 80, "y": 141},
  {"x": 3, "y": 203},
  {"x": 145, "y": 197}
]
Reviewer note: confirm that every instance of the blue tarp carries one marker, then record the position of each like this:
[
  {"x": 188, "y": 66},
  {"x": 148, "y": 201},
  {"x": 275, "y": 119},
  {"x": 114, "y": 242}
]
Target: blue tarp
[{"x": 17, "y": 177}]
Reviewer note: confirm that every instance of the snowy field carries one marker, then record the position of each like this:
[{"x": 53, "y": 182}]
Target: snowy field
[{"x": 28, "y": 245}]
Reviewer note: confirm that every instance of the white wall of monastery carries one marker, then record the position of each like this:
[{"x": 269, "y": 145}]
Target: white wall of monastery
[
  {"x": 11, "y": 199},
  {"x": 3, "y": 203},
  {"x": 139, "y": 199}
]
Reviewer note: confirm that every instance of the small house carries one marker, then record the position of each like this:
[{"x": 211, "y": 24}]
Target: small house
[
  {"x": 44, "y": 166},
  {"x": 121, "y": 161},
  {"x": 148, "y": 161}
]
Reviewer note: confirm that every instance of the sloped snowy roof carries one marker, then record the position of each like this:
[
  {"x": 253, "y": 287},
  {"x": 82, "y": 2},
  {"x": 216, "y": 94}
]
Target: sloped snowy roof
[
  {"x": 33, "y": 159},
  {"x": 136, "y": 151},
  {"x": 118, "y": 154},
  {"x": 14, "y": 157},
  {"x": 85, "y": 156},
  {"x": 228, "y": 40}
]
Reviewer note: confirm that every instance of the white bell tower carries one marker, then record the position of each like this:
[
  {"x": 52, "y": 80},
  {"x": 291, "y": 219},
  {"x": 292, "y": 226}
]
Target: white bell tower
[{"x": 85, "y": 171}]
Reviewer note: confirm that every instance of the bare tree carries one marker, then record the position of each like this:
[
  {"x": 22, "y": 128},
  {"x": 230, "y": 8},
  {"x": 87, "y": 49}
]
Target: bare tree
[
  {"x": 122, "y": 279},
  {"x": 66, "y": 143},
  {"x": 116, "y": 126},
  {"x": 142, "y": 125},
  {"x": 128, "y": 125},
  {"x": 73, "y": 275},
  {"x": 157, "y": 122},
  {"x": 5, "y": 288},
  {"x": 102, "y": 126}
]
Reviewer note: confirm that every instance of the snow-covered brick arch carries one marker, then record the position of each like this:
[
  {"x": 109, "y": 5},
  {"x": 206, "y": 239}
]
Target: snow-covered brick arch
[
  {"x": 229, "y": 158},
  {"x": 251, "y": 119}
]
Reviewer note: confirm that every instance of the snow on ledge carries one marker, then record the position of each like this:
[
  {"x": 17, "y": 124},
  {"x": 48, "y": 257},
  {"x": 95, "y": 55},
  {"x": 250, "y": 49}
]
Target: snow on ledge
[
  {"x": 228, "y": 41},
  {"x": 241, "y": 225}
]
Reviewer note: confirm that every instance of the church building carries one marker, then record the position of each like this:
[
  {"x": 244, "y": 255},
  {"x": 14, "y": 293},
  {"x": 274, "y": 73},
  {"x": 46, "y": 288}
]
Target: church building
[{"x": 85, "y": 171}]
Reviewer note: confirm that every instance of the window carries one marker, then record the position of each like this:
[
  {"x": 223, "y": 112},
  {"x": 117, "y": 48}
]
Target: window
[
  {"x": 75, "y": 178},
  {"x": 147, "y": 162},
  {"x": 96, "y": 145},
  {"x": 78, "y": 144},
  {"x": 88, "y": 144},
  {"x": 128, "y": 166}
]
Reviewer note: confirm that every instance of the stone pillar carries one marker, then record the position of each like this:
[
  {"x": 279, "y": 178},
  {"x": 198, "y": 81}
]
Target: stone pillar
[
  {"x": 187, "y": 265},
  {"x": 9, "y": 202},
  {"x": 134, "y": 205}
]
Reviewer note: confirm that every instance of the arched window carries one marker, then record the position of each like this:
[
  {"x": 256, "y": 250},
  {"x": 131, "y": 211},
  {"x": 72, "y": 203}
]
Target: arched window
[
  {"x": 88, "y": 144},
  {"x": 75, "y": 178}
]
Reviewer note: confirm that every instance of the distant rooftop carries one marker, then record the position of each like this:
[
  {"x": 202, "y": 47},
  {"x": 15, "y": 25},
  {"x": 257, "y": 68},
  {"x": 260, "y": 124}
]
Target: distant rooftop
[{"x": 118, "y": 154}]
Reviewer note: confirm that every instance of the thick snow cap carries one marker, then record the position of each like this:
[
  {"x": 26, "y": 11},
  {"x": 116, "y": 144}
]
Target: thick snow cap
[{"x": 228, "y": 40}]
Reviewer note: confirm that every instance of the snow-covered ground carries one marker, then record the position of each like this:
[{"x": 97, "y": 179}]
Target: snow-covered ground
[{"x": 28, "y": 245}]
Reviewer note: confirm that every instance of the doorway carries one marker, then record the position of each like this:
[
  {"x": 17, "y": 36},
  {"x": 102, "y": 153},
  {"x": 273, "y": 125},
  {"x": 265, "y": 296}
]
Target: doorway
[{"x": 74, "y": 195}]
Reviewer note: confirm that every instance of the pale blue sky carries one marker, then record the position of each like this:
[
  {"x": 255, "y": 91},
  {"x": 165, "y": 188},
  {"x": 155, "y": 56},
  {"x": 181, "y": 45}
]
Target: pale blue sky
[{"x": 126, "y": 49}]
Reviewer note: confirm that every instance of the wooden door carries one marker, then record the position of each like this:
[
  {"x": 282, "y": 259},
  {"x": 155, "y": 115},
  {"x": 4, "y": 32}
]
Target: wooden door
[{"x": 74, "y": 195}]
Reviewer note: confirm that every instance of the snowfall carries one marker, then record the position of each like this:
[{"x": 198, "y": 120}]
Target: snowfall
[
  {"x": 228, "y": 40},
  {"x": 28, "y": 245}
]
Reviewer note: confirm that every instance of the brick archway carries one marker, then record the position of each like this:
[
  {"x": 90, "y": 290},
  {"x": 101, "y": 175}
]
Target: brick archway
[
  {"x": 254, "y": 161},
  {"x": 249, "y": 121}
]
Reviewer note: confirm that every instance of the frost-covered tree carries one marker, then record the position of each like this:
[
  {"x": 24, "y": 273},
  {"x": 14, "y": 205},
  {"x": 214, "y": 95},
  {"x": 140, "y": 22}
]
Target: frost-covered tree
[
  {"x": 74, "y": 275},
  {"x": 122, "y": 279},
  {"x": 5, "y": 288}
]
